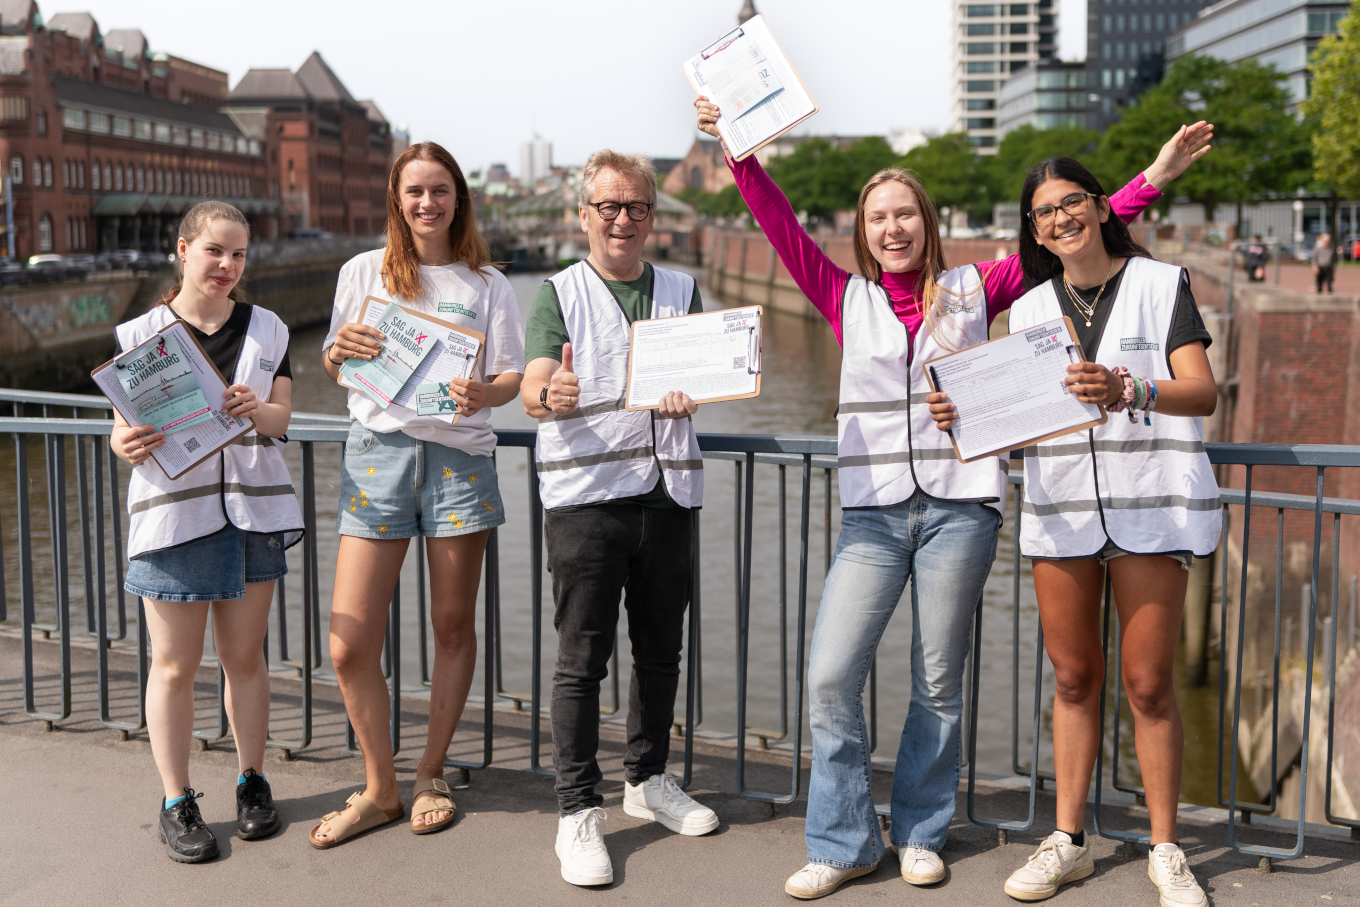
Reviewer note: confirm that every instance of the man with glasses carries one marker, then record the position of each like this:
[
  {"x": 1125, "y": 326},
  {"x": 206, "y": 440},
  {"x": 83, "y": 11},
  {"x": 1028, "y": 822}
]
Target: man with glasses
[{"x": 619, "y": 491}]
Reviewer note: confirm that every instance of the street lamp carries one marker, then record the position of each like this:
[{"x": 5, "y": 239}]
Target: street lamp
[{"x": 1298, "y": 226}]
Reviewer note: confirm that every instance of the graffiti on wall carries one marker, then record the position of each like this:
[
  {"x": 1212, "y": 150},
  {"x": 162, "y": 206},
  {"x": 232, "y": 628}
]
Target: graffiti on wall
[{"x": 49, "y": 314}]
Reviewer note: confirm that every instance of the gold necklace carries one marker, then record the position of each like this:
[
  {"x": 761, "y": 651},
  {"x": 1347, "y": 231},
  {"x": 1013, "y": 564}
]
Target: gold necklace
[{"x": 1088, "y": 311}]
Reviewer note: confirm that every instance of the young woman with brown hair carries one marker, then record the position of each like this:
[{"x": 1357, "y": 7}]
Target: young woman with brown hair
[
  {"x": 407, "y": 475},
  {"x": 213, "y": 539},
  {"x": 910, "y": 509}
]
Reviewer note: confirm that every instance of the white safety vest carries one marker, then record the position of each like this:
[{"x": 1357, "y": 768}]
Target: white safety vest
[
  {"x": 246, "y": 484},
  {"x": 602, "y": 452},
  {"x": 1157, "y": 493},
  {"x": 888, "y": 443}
]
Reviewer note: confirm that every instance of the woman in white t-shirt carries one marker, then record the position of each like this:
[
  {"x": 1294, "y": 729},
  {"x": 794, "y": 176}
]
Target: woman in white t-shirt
[{"x": 406, "y": 475}]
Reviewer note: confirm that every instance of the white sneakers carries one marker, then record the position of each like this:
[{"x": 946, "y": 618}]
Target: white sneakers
[
  {"x": 580, "y": 836},
  {"x": 660, "y": 799},
  {"x": 581, "y": 850},
  {"x": 1056, "y": 862},
  {"x": 1167, "y": 869},
  {"x": 920, "y": 866},
  {"x": 817, "y": 880}
]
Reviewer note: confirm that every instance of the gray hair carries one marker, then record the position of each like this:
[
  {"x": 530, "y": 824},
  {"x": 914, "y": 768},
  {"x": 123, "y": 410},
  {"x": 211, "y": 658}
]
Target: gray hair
[{"x": 634, "y": 166}]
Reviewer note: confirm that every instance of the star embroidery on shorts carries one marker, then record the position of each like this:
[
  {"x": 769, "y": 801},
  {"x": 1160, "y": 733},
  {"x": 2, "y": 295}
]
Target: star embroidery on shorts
[
  {"x": 472, "y": 478},
  {"x": 371, "y": 470},
  {"x": 448, "y": 473},
  {"x": 453, "y": 518},
  {"x": 487, "y": 505},
  {"x": 382, "y": 528}
]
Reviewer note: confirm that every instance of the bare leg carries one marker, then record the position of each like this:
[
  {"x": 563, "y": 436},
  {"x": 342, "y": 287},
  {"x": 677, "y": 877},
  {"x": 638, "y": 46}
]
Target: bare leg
[
  {"x": 1150, "y": 595},
  {"x": 1069, "y": 606},
  {"x": 455, "y": 571},
  {"x": 176, "y": 632},
  {"x": 239, "y": 627},
  {"x": 365, "y": 574}
]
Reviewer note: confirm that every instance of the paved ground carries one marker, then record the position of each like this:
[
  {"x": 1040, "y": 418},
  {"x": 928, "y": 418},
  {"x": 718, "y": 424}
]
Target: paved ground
[
  {"x": 1299, "y": 278},
  {"x": 79, "y": 807}
]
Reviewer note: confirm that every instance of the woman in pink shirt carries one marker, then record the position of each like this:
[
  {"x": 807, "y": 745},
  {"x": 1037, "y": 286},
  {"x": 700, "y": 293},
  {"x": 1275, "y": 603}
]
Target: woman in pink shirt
[{"x": 910, "y": 509}]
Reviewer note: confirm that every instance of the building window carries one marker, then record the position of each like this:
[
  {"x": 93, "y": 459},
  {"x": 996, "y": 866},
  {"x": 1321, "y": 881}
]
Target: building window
[
  {"x": 179, "y": 186},
  {"x": 1106, "y": 78},
  {"x": 42, "y": 122},
  {"x": 127, "y": 176},
  {"x": 982, "y": 141},
  {"x": 45, "y": 234},
  {"x": 122, "y": 126},
  {"x": 141, "y": 129},
  {"x": 118, "y": 177},
  {"x": 1119, "y": 78},
  {"x": 66, "y": 181},
  {"x": 983, "y": 29},
  {"x": 973, "y": 66},
  {"x": 69, "y": 238},
  {"x": 977, "y": 50},
  {"x": 99, "y": 122},
  {"x": 1019, "y": 9},
  {"x": 981, "y": 104},
  {"x": 16, "y": 170},
  {"x": 977, "y": 10},
  {"x": 47, "y": 172},
  {"x": 1019, "y": 47},
  {"x": 214, "y": 141},
  {"x": 141, "y": 179},
  {"x": 195, "y": 138},
  {"x": 73, "y": 118},
  {"x": 80, "y": 174},
  {"x": 974, "y": 85},
  {"x": 84, "y": 243},
  {"x": 108, "y": 183},
  {"x": 94, "y": 175},
  {"x": 1019, "y": 28},
  {"x": 13, "y": 108}
]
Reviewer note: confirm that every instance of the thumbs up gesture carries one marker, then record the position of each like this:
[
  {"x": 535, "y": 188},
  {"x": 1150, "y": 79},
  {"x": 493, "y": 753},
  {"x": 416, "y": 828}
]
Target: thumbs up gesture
[{"x": 564, "y": 390}]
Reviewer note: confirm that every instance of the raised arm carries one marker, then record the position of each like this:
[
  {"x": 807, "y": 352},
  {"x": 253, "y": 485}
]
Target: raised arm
[
  {"x": 820, "y": 279},
  {"x": 1004, "y": 279}
]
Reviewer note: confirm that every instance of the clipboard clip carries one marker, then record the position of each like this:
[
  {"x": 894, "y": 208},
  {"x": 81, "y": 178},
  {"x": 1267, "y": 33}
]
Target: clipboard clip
[
  {"x": 753, "y": 350},
  {"x": 722, "y": 43}
]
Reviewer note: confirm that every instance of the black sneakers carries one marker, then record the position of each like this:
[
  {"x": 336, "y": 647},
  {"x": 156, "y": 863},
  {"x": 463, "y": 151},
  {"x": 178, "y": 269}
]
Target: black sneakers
[
  {"x": 256, "y": 816},
  {"x": 187, "y": 839}
]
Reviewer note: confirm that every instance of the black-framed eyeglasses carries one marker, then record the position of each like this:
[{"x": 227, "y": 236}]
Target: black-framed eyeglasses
[
  {"x": 1073, "y": 205},
  {"x": 637, "y": 211}
]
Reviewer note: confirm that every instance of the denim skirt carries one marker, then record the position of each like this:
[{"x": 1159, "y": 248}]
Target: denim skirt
[{"x": 214, "y": 568}]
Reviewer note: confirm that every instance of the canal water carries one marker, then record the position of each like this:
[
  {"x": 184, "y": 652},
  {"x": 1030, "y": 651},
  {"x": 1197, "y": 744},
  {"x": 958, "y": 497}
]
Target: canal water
[{"x": 799, "y": 392}]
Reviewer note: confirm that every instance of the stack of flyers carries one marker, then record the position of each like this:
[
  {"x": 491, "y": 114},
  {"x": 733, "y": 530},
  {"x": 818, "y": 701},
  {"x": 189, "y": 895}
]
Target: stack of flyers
[
  {"x": 160, "y": 382},
  {"x": 408, "y": 342}
]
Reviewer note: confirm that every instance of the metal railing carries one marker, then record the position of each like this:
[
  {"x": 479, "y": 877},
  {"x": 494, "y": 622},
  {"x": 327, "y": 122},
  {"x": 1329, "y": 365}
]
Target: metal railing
[{"x": 89, "y": 436}]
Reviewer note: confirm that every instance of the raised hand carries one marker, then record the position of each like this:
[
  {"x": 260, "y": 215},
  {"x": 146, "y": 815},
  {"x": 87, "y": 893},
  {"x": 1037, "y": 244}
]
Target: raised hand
[
  {"x": 1189, "y": 144},
  {"x": 564, "y": 390},
  {"x": 708, "y": 117}
]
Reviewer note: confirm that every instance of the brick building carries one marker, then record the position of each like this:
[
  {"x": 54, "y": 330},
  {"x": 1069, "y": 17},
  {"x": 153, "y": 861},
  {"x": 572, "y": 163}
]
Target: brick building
[
  {"x": 105, "y": 144},
  {"x": 329, "y": 154}
]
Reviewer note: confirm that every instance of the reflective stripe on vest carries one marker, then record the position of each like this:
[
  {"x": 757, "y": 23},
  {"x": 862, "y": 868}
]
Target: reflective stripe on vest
[
  {"x": 602, "y": 452},
  {"x": 246, "y": 484},
  {"x": 1157, "y": 492},
  {"x": 888, "y": 441}
]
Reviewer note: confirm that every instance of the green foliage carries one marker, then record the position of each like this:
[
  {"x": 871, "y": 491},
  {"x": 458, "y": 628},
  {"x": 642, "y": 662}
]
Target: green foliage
[
  {"x": 821, "y": 179},
  {"x": 953, "y": 175},
  {"x": 1022, "y": 148},
  {"x": 1334, "y": 106},
  {"x": 1258, "y": 146}
]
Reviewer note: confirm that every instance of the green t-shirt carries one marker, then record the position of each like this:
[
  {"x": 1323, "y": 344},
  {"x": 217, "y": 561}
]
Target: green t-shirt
[{"x": 545, "y": 331}]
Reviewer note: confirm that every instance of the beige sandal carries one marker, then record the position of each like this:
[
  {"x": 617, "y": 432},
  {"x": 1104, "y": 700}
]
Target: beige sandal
[
  {"x": 432, "y": 805},
  {"x": 370, "y": 817}
]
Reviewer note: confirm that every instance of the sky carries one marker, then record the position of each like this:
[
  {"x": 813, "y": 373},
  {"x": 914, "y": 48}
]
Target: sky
[{"x": 482, "y": 77}]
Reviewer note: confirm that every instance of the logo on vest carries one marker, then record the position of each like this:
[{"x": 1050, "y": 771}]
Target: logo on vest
[
  {"x": 1138, "y": 343},
  {"x": 266, "y": 365},
  {"x": 952, "y": 309},
  {"x": 456, "y": 308}
]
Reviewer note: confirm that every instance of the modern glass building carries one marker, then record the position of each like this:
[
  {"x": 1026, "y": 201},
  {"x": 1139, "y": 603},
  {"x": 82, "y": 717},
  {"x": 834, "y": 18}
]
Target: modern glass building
[
  {"x": 1278, "y": 32},
  {"x": 1049, "y": 94},
  {"x": 1124, "y": 49},
  {"x": 991, "y": 41}
]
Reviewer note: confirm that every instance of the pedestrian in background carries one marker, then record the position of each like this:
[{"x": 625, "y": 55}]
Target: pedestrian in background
[
  {"x": 212, "y": 540},
  {"x": 1323, "y": 260},
  {"x": 408, "y": 476},
  {"x": 1255, "y": 259}
]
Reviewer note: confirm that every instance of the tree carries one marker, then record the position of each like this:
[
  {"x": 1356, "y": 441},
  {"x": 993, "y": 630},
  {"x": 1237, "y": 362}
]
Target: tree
[
  {"x": 951, "y": 173},
  {"x": 1026, "y": 146},
  {"x": 1334, "y": 106},
  {"x": 1259, "y": 146},
  {"x": 821, "y": 179}
]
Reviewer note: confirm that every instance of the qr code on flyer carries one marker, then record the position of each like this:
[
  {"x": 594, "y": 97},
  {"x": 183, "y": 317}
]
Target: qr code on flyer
[
  {"x": 191, "y": 445},
  {"x": 739, "y": 362}
]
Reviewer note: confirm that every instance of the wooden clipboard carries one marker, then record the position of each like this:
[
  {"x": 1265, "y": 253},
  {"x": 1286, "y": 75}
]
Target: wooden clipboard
[
  {"x": 759, "y": 22},
  {"x": 760, "y": 344},
  {"x": 432, "y": 319},
  {"x": 247, "y": 423},
  {"x": 1076, "y": 341}
]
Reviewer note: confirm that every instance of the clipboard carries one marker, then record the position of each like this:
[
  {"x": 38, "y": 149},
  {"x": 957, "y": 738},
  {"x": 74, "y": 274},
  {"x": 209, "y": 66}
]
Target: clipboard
[
  {"x": 371, "y": 301},
  {"x": 758, "y": 31},
  {"x": 929, "y": 369},
  {"x": 242, "y": 426},
  {"x": 754, "y": 345}
]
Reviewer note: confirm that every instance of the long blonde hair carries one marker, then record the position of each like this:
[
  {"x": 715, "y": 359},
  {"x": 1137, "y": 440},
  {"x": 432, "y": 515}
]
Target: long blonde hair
[
  {"x": 401, "y": 265},
  {"x": 190, "y": 227},
  {"x": 928, "y": 289}
]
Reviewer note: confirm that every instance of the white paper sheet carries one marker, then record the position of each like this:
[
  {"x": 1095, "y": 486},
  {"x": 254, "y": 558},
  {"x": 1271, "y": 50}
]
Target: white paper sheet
[
  {"x": 708, "y": 356},
  {"x": 188, "y": 447},
  {"x": 738, "y": 76},
  {"x": 1009, "y": 392},
  {"x": 453, "y": 356},
  {"x": 749, "y": 128}
]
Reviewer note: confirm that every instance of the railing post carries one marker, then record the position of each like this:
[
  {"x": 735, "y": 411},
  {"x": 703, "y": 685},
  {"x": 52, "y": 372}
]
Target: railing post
[{"x": 536, "y": 604}]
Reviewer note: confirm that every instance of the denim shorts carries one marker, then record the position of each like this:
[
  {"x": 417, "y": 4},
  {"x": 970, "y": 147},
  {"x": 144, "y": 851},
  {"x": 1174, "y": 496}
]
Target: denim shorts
[
  {"x": 393, "y": 486},
  {"x": 214, "y": 568},
  {"x": 1112, "y": 551}
]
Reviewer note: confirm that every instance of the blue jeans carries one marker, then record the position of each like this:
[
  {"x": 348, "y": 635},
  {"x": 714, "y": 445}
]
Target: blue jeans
[{"x": 947, "y": 550}]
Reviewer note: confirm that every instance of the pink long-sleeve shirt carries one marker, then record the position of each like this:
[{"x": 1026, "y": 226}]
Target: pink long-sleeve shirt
[{"x": 823, "y": 282}]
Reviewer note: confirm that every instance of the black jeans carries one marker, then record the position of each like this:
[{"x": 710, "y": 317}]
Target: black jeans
[
  {"x": 598, "y": 553},
  {"x": 1324, "y": 277}
]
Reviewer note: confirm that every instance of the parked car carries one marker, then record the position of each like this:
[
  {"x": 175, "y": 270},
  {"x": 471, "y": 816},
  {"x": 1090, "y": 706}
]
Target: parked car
[
  {"x": 84, "y": 263},
  {"x": 46, "y": 263},
  {"x": 122, "y": 258},
  {"x": 12, "y": 273}
]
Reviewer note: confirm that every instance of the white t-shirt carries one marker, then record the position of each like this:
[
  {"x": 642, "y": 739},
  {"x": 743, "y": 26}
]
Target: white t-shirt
[{"x": 451, "y": 293}]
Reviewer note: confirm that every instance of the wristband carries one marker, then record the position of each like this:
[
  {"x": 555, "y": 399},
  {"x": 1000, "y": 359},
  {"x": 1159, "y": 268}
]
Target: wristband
[
  {"x": 332, "y": 360},
  {"x": 543, "y": 397}
]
